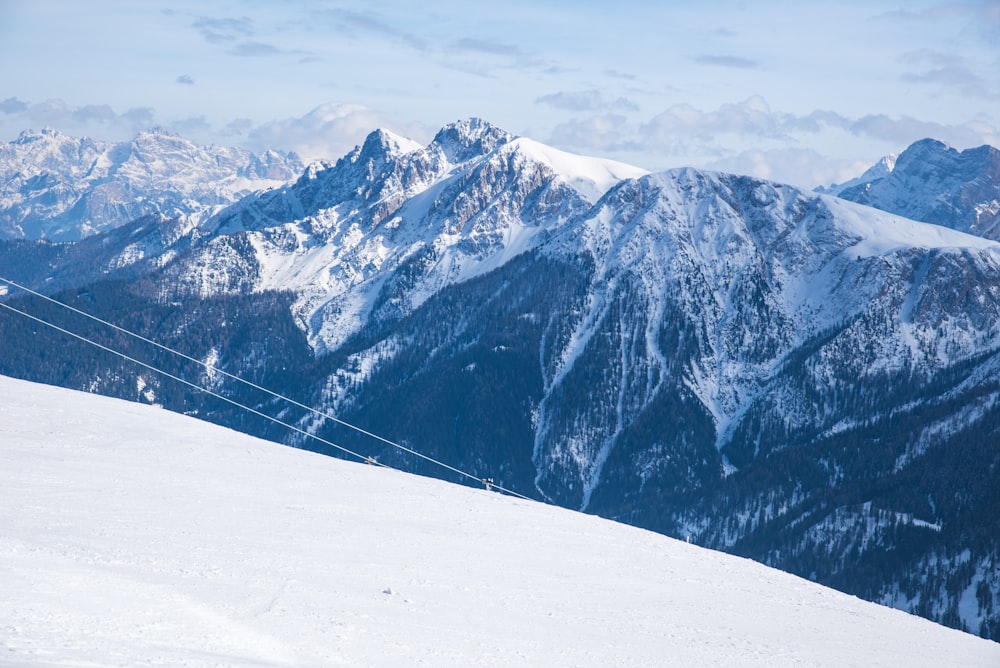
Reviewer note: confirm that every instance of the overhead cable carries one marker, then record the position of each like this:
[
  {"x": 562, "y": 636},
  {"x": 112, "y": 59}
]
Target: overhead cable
[
  {"x": 487, "y": 482},
  {"x": 186, "y": 382}
]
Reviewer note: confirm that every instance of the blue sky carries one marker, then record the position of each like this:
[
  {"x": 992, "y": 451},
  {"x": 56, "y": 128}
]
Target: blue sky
[{"x": 808, "y": 95}]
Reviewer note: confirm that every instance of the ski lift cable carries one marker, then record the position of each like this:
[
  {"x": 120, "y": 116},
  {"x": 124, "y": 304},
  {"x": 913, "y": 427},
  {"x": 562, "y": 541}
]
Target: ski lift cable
[
  {"x": 193, "y": 385},
  {"x": 488, "y": 482}
]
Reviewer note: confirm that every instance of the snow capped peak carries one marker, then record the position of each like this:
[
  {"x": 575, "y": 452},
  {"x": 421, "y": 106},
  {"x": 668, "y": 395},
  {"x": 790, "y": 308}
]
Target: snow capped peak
[
  {"x": 156, "y": 131},
  {"x": 463, "y": 140},
  {"x": 384, "y": 143},
  {"x": 156, "y": 140},
  {"x": 929, "y": 144},
  {"x": 591, "y": 177},
  {"x": 61, "y": 187},
  {"x": 314, "y": 168},
  {"x": 881, "y": 168},
  {"x": 939, "y": 161},
  {"x": 927, "y": 155},
  {"x": 468, "y": 202},
  {"x": 934, "y": 183},
  {"x": 271, "y": 165},
  {"x": 30, "y": 136}
]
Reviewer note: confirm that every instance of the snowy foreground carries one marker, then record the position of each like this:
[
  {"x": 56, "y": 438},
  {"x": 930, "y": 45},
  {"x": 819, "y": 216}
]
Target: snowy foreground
[{"x": 130, "y": 536}]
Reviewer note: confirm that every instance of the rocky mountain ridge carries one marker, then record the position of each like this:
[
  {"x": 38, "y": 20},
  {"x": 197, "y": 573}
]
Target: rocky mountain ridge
[
  {"x": 934, "y": 183},
  {"x": 391, "y": 223}
]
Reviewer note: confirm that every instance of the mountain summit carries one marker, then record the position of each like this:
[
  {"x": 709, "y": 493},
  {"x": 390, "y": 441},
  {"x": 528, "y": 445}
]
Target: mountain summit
[
  {"x": 936, "y": 184},
  {"x": 391, "y": 223},
  {"x": 466, "y": 139}
]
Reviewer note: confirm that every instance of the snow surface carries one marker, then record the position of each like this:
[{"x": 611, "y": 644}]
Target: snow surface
[
  {"x": 591, "y": 177},
  {"x": 133, "y": 536},
  {"x": 884, "y": 233}
]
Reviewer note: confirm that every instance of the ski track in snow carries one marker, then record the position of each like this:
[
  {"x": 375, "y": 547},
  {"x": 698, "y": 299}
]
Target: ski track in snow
[{"x": 133, "y": 536}]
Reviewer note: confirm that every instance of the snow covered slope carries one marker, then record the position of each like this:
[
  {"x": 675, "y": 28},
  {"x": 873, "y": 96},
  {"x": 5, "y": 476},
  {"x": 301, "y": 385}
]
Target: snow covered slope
[
  {"x": 392, "y": 223},
  {"x": 130, "y": 535},
  {"x": 879, "y": 170}
]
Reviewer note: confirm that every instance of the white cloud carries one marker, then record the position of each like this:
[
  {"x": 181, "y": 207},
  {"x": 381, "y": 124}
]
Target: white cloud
[
  {"x": 750, "y": 137},
  {"x": 608, "y": 132},
  {"x": 586, "y": 100},
  {"x": 804, "y": 168},
  {"x": 979, "y": 19},
  {"x": 904, "y": 130},
  {"x": 97, "y": 120},
  {"x": 372, "y": 22},
  {"x": 195, "y": 128},
  {"x": 223, "y": 30},
  {"x": 717, "y": 60},
  {"x": 327, "y": 132},
  {"x": 12, "y": 105},
  {"x": 682, "y": 128},
  {"x": 681, "y": 123},
  {"x": 948, "y": 72},
  {"x": 489, "y": 47}
]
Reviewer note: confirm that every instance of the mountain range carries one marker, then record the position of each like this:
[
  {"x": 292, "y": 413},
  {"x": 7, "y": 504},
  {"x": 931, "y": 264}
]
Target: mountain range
[
  {"x": 785, "y": 375},
  {"x": 62, "y": 188},
  {"x": 936, "y": 184}
]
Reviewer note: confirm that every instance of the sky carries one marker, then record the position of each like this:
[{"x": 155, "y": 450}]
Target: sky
[{"x": 810, "y": 96}]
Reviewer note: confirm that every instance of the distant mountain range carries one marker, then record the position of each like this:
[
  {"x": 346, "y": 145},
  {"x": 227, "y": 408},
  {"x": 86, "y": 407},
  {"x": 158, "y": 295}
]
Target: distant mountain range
[
  {"x": 786, "y": 375},
  {"x": 936, "y": 184},
  {"x": 62, "y": 188}
]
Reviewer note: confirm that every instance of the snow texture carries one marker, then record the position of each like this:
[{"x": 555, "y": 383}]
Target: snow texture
[{"x": 133, "y": 536}]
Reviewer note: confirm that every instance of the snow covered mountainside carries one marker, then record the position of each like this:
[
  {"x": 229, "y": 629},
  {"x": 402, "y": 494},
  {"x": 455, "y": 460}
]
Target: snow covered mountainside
[
  {"x": 57, "y": 187},
  {"x": 780, "y": 374},
  {"x": 936, "y": 184},
  {"x": 132, "y": 536},
  {"x": 392, "y": 223}
]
